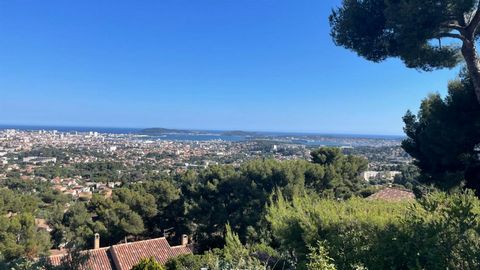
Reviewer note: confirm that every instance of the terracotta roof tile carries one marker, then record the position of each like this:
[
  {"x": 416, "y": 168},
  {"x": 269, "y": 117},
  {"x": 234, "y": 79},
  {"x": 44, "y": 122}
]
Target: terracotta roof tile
[
  {"x": 98, "y": 259},
  {"x": 125, "y": 256},
  {"x": 393, "y": 194}
]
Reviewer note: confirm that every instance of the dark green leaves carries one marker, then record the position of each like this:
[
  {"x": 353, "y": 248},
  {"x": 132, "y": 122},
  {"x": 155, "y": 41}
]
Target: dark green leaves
[
  {"x": 408, "y": 29},
  {"x": 442, "y": 138},
  {"x": 361, "y": 26}
]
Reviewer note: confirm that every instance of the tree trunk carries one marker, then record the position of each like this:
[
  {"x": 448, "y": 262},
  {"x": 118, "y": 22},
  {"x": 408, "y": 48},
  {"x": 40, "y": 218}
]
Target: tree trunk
[{"x": 473, "y": 65}]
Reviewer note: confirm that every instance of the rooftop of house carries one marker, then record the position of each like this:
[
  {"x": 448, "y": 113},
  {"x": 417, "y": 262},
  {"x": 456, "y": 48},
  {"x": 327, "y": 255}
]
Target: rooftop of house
[
  {"x": 393, "y": 194},
  {"x": 98, "y": 259},
  {"x": 125, "y": 256}
]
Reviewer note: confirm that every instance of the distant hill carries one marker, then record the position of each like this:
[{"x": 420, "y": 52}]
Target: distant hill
[
  {"x": 238, "y": 133},
  {"x": 162, "y": 131}
]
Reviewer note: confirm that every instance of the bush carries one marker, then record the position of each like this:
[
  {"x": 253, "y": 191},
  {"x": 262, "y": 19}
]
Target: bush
[
  {"x": 318, "y": 258},
  {"x": 190, "y": 261},
  {"x": 148, "y": 264},
  {"x": 438, "y": 232}
]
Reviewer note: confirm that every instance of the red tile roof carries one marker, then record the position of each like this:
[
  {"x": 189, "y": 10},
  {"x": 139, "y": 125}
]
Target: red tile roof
[
  {"x": 125, "y": 256},
  {"x": 393, "y": 194},
  {"x": 98, "y": 259}
]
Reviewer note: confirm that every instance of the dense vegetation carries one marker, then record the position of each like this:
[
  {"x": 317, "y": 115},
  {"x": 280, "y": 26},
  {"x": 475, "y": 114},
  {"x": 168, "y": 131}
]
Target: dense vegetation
[
  {"x": 201, "y": 203},
  {"x": 444, "y": 137},
  {"x": 18, "y": 233},
  {"x": 439, "y": 231},
  {"x": 198, "y": 203}
]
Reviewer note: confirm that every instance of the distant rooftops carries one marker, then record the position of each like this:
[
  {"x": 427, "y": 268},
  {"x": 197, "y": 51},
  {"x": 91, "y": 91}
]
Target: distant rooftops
[
  {"x": 393, "y": 194},
  {"x": 38, "y": 160},
  {"x": 125, "y": 256}
]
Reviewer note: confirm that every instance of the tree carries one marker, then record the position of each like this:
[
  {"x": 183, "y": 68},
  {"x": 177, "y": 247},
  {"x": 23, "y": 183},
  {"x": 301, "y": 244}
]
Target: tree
[
  {"x": 234, "y": 249},
  {"x": 235, "y": 255},
  {"x": 165, "y": 195},
  {"x": 326, "y": 155},
  {"x": 408, "y": 177},
  {"x": 223, "y": 195},
  {"x": 142, "y": 202},
  {"x": 79, "y": 223},
  {"x": 148, "y": 264},
  {"x": 19, "y": 238},
  {"x": 341, "y": 173},
  {"x": 444, "y": 136},
  {"x": 115, "y": 220},
  {"x": 412, "y": 31},
  {"x": 26, "y": 264}
]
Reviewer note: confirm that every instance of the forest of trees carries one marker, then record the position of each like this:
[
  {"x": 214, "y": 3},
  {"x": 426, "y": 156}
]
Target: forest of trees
[{"x": 202, "y": 203}]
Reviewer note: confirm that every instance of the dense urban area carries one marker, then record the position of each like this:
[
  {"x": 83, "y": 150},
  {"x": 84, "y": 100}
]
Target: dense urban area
[{"x": 79, "y": 164}]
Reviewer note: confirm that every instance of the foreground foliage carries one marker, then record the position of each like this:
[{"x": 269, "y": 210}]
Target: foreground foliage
[
  {"x": 234, "y": 255},
  {"x": 439, "y": 231}
]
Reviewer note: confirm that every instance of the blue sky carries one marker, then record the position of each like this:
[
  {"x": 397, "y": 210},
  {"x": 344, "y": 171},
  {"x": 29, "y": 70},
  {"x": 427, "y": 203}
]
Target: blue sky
[{"x": 267, "y": 65}]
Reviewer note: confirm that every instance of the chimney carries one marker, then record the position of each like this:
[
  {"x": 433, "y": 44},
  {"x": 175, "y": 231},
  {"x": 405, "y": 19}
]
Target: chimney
[
  {"x": 96, "y": 242},
  {"x": 184, "y": 239}
]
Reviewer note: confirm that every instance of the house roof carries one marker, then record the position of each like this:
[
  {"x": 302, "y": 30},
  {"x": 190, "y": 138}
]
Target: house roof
[
  {"x": 125, "y": 256},
  {"x": 393, "y": 194},
  {"x": 98, "y": 259}
]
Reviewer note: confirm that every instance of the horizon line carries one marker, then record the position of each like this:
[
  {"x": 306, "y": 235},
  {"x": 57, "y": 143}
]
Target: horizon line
[{"x": 39, "y": 126}]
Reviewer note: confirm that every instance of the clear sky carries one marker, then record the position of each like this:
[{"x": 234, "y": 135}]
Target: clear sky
[{"x": 266, "y": 65}]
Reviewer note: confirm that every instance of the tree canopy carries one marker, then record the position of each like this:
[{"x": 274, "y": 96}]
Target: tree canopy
[
  {"x": 444, "y": 136},
  {"x": 412, "y": 31}
]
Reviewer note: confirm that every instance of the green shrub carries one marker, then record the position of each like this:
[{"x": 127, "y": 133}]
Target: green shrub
[
  {"x": 190, "y": 261},
  {"x": 318, "y": 258},
  {"x": 148, "y": 264},
  {"x": 438, "y": 232}
]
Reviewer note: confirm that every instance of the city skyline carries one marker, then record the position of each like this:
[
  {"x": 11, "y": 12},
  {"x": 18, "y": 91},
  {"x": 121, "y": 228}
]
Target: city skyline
[
  {"x": 254, "y": 66},
  {"x": 126, "y": 130}
]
